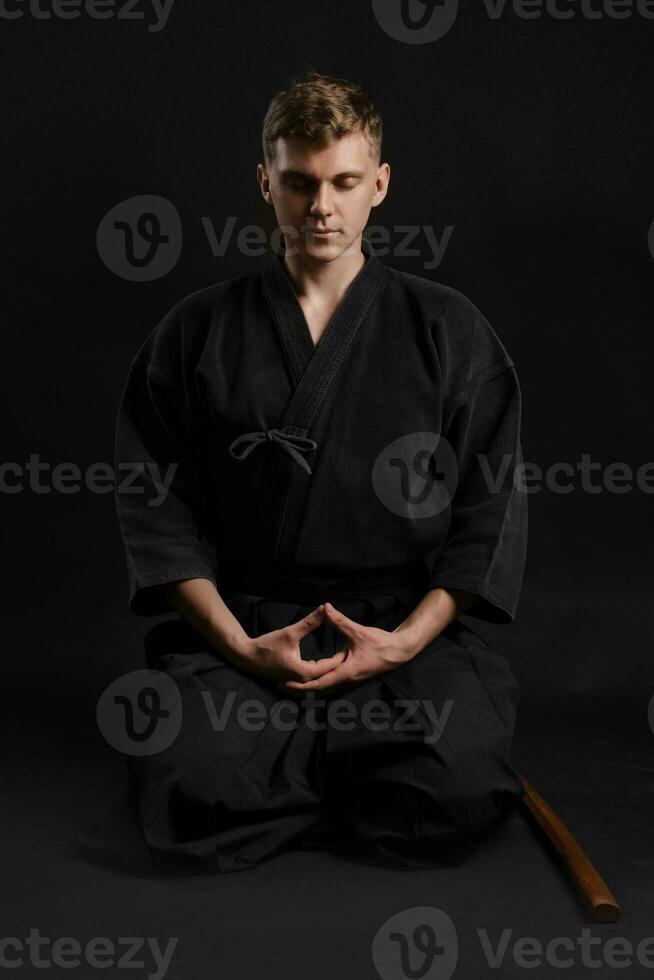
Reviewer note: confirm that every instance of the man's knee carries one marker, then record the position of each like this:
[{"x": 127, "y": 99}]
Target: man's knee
[{"x": 429, "y": 810}]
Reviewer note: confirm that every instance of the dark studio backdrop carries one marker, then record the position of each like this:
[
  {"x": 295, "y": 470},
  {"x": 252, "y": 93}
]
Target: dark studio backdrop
[{"x": 524, "y": 145}]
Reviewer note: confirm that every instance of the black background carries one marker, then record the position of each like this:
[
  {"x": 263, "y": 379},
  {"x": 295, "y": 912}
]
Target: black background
[{"x": 533, "y": 138}]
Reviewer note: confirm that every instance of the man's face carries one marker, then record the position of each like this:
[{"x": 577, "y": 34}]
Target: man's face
[{"x": 332, "y": 188}]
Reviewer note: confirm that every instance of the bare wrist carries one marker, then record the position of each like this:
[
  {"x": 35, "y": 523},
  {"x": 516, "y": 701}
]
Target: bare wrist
[
  {"x": 243, "y": 645},
  {"x": 234, "y": 646},
  {"x": 408, "y": 640}
]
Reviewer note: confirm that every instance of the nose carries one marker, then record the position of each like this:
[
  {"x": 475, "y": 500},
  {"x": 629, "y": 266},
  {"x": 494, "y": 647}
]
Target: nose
[{"x": 322, "y": 204}]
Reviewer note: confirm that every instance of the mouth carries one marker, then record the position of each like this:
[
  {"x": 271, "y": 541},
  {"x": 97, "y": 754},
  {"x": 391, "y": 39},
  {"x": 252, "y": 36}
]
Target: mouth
[{"x": 322, "y": 232}]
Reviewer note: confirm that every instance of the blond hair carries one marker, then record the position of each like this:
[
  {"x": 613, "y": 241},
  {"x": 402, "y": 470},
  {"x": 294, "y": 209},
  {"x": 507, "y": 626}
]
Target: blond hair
[{"x": 321, "y": 110}]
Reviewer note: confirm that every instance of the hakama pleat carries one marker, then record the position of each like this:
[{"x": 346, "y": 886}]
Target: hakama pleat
[{"x": 416, "y": 781}]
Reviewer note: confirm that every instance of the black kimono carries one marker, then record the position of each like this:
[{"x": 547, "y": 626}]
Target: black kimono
[{"x": 290, "y": 474}]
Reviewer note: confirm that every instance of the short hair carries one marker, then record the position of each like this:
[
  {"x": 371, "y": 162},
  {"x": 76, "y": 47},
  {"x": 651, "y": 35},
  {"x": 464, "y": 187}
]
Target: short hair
[{"x": 321, "y": 110}]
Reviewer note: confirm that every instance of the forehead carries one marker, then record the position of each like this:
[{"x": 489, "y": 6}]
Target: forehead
[{"x": 351, "y": 152}]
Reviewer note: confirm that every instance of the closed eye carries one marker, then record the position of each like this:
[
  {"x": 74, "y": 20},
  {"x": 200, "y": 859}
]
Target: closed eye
[{"x": 297, "y": 184}]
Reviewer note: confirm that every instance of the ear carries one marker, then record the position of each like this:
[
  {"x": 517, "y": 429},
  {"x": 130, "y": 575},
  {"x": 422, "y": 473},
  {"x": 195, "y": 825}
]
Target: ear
[{"x": 264, "y": 183}]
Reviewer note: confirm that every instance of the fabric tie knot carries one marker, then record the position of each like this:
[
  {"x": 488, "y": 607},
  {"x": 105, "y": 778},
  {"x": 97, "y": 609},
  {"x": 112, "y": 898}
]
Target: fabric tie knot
[{"x": 287, "y": 438}]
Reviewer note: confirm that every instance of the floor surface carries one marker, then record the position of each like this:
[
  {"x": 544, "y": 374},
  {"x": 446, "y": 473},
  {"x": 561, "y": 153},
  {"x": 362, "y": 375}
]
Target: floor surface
[{"x": 314, "y": 915}]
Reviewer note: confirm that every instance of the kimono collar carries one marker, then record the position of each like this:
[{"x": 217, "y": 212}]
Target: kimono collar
[
  {"x": 291, "y": 322},
  {"x": 314, "y": 369}
]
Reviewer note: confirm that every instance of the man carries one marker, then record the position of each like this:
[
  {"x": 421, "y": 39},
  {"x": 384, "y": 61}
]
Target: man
[{"x": 339, "y": 433}]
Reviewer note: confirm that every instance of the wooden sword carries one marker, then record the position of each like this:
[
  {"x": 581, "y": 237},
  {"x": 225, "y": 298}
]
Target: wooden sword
[{"x": 588, "y": 880}]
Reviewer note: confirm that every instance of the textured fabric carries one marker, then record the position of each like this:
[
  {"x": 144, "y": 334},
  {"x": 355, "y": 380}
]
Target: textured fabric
[
  {"x": 397, "y": 790},
  {"x": 290, "y": 474},
  {"x": 337, "y": 465}
]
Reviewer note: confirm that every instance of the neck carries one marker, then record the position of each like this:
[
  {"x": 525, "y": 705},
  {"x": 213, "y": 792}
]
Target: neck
[{"x": 329, "y": 280}]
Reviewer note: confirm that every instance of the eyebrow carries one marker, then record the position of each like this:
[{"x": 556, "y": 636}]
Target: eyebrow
[{"x": 300, "y": 173}]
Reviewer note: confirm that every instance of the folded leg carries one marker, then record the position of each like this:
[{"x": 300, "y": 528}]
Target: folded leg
[
  {"x": 242, "y": 780},
  {"x": 423, "y": 776}
]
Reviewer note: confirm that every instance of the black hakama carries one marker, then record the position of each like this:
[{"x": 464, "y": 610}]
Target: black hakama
[{"x": 284, "y": 493}]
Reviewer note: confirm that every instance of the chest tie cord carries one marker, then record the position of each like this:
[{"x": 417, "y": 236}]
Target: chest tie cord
[{"x": 292, "y": 444}]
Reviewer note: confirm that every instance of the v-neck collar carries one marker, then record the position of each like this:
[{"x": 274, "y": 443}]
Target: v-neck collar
[
  {"x": 315, "y": 374},
  {"x": 300, "y": 351}
]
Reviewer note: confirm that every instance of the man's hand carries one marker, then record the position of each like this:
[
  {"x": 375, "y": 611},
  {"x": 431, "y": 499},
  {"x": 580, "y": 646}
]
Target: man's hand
[
  {"x": 369, "y": 651},
  {"x": 277, "y": 654}
]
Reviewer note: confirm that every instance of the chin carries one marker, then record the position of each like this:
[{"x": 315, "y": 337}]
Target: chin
[{"x": 326, "y": 249}]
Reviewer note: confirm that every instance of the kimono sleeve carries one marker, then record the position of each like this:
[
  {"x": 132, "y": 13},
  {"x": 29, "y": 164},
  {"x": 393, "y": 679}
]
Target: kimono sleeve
[
  {"x": 485, "y": 547},
  {"x": 157, "y": 491}
]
